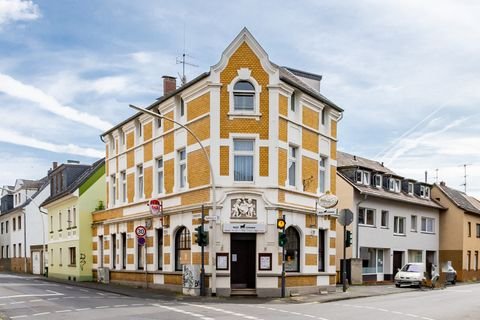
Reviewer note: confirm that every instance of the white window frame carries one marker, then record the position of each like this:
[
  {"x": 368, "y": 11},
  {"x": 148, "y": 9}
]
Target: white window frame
[
  {"x": 398, "y": 185},
  {"x": 139, "y": 131},
  {"x": 251, "y": 153},
  {"x": 182, "y": 169},
  {"x": 424, "y": 192},
  {"x": 366, "y": 177},
  {"x": 323, "y": 165},
  {"x": 113, "y": 189},
  {"x": 292, "y": 160},
  {"x": 244, "y": 74},
  {"x": 410, "y": 188},
  {"x": 140, "y": 182},
  {"x": 378, "y": 180},
  {"x": 74, "y": 217},
  {"x": 160, "y": 187},
  {"x": 413, "y": 223},
  {"x": 123, "y": 177},
  {"x": 397, "y": 221},
  {"x": 365, "y": 213},
  {"x": 424, "y": 225},
  {"x": 387, "y": 213},
  {"x": 359, "y": 173}
]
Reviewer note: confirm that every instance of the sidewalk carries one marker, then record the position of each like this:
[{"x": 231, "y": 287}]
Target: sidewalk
[{"x": 352, "y": 293}]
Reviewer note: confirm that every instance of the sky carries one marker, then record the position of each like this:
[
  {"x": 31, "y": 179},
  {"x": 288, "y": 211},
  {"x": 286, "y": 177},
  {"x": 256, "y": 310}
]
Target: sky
[{"x": 405, "y": 72}]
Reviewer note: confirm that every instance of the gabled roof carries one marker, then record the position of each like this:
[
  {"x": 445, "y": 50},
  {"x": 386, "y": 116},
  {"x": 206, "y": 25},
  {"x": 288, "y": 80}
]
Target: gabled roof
[
  {"x": 43, "y": 183},
  {"x": 460, "y": 199},
  {"x": 396, "y": 196},
  {"x": 349, "y": 160},
  {"x": 77, "y": 183}
]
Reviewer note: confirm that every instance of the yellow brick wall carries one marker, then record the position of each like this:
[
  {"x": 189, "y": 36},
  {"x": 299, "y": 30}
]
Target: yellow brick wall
[
  {"x": 130, "y": 158},
  {"x": 130, "y": 227},
  {"x": 224, "y": 160},
  {"x": 166, "y": 258},
  {"x": 201, "y": 129},
  {"x": 283, "y": 130},
  {"x": 310, "y": 174},
  {"x": 282, "y": 166},
  {"x": 147, "y": 131},
  {"x": 130, "y": 140},
  {"x": 333, "y": 125},
  {"x": 311, "y": 259},
  {"x": 107, "y": 193},
  {"x": 333, "y": 179},
  {"x": 169, "y": 178},
  {"x": 166, "y": 240},
  {"x": 168, "y": 125},
  {"x": 198, "y": 196},
  {"x": 197, "y": 257},
  {"x": 198, "y": 106},
  {"x": 168, "y": 143},
  {"x": 283, "y": 105},
  {"x": 263, "y": 161},
  {"x": 244, "y": 57},
  {"x": 311, "y": 221},
  {"x": 311, "y": 241},
  {"x": 198, "y": 170},
  {"x": 106, "y": 215},
  {"x": 148, "y": 182},
  {"x": 310, "y": 117},
  {"x": 106, "y": 230},
  {"x": 310, "y": 140},
  {"x": 147, "y": 152},
  {"x": 130, "y": 187},
  {"x": 333, "y": 150}
]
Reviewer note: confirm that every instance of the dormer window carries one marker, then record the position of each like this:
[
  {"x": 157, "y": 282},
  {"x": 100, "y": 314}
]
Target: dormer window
[
  {"x": 394, "y": 185},
  {"x": 359, "y": 176},
  {"x": 424, "y": 192},
  {"x": 244, "y": 96},
  {"x": 366, "y": 178},
  {"x": 410, "y": 188},
  {"x": 378, "y": 181}
]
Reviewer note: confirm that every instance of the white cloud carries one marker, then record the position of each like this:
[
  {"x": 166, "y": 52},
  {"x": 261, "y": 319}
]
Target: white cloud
[
  {"x": 142, "y": 57},
  {"x": 13, "y": 137},
  {"x": 17, "y": 89},
  {"x": 17, "y": 10},
  {"x": 110, "y": 85}
]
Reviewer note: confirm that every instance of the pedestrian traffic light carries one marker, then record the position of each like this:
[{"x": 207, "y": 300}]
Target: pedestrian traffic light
[
  {"x": 282, "y": 239},
  {"x": 348, "y": 239},
  {"x": 196, "y": 235},
  {"x": 281, "y": 223}
]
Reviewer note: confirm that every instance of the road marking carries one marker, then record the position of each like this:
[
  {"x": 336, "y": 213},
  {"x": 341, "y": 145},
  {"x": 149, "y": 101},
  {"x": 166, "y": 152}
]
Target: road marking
[
  {"x": 83, "y": 309},
  {"x": 412, "y": 315},
  {"x": 101, "y": 294},
  {"x": 17, "y": 302},
  {"x": 63, "y": 311},
  {"x": 201, "y": 316},
  {"x": 68, "y": 297},
  {"x": 101, "y": 307},
  {"x": 84, "y": 290},
  {"x": 40, "y": 314},
  {"x": 293, "y": 312},
  {"x": 53, "y": 298},
  {"x": 120, "y": 305},
  {"x": 459, "y": 290},
  {"x": 36, "y": 300},
  {"x": 137, "y": 304},
  {"x": 34, "y": 295},
  {"x": 18, "y": 317}
]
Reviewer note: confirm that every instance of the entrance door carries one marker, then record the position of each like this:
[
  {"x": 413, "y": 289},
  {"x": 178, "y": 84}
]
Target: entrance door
[
  {"x": 242, "y": 257},
  {"x": 36, "y": 263},
  {"x": 430, "y": 260},
  {"x": 397, "y": 261}
]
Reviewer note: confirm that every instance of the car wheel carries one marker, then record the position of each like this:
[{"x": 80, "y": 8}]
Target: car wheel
[
  {"x": 397, "y": 285},
  {"x": 454, "y": 281}
]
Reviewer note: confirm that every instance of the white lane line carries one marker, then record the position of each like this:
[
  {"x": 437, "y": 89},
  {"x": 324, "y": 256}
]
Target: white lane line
[
  {"x": 412, "y": 315},
  {"x": 137, "y": 304},
  {"x": 83, "y": 309},
  {"x": 40, "y": 314},
  {"x": 201, "y": 316},
  {"x": 68, "y": 297},
  {"x": 2, "y": 304},
  {"x": 68, "y": 287},
  {"x": 18, "y": 317},
  {"x": 36, "y": 300},
  {"x": 101, "y": 307},
  {"x": 427, "y": 318},
  {"x": 84, "y": 290},
  {"x": 292, "y": 312},
  {"x": 120, "y": 305},
  {"x": 237, "y": 314},
  {"x": 53, "y": 298},
  {"x": 397, "y": 312},
  {"x": 63, "y": 311},
  {"x": 100, "y": 294},
  {"x": 33, "y": 295},
  {"x": 17, "y": 302}
]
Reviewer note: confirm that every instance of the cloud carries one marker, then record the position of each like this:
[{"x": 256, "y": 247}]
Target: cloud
[
  {"x": 142, "y": 57},
  {"x": 13, "y": 137},
  {"x": 17, "y": 10},
  {"x": 17, "y": 89},
  {"x": 110, "y": 85}
]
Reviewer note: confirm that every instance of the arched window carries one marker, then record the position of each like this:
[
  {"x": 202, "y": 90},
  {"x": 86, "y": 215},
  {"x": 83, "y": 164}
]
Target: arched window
[
  {"x": 182, "y": 247},
  {"x": 292, "y": 250},
  {"x": 243, "y": 95}
]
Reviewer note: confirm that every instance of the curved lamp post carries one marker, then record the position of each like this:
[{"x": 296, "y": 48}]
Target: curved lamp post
[{"x": 212, "y": 176}]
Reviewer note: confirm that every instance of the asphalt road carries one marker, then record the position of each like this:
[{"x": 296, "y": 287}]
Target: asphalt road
[{"x": 34, "y": 298}]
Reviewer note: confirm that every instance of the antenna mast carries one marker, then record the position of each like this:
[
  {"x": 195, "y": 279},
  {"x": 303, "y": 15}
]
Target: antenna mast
[
  {"x": 436, "y": 175},
  {"x": 464, "y": 184},
  {"x": 183, "y": 60}
]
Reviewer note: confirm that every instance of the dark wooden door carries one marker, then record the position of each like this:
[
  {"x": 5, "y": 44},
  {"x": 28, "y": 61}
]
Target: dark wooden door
[
  {"x": 242, "y": 257},
  {"x": 430, "y": 260},
  {"x": 397, "y": 261}
]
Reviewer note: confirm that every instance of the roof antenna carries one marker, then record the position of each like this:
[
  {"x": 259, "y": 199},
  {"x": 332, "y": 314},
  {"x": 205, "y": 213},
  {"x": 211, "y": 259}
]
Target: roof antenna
[
  {"x": 183, "y": 61},
  {"x": 436, "y": 175},
  {"x": 464, "y": 184}
]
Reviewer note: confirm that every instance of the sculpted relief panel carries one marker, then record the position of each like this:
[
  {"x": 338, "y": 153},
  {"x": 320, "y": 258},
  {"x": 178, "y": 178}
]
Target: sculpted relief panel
[{"x": 244, "y": 208}]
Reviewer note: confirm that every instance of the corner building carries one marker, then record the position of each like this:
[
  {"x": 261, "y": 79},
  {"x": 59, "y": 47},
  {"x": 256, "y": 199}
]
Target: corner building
[{"x": 272, "y": 139}]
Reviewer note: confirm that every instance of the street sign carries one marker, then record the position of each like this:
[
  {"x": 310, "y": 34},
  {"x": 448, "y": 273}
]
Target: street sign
[
  {"x": 327, "y": 200},
  {"x": 211, "y": 218},
  {"x": 141, "y": 241},
  {"x": 327, "y": 212},
  {"x": 345, "y": 217},
  {"x": 140, "y": 231}
]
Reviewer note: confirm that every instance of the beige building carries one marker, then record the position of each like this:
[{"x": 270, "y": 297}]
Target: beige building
[
  {"x": 460, "y": 231},
  {"x": 271, "y": 137}
]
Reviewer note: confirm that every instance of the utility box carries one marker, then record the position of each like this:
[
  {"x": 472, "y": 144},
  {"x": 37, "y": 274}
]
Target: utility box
[{"x": 103, "y": 275}]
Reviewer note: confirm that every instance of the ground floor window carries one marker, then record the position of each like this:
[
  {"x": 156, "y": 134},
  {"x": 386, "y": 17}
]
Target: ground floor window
[
  {"x": 140, "y": 256},
  {"x": 73, "y": 256},
  {"x": 182, "y": 248},
  {"x": 415, "y": 256},
  {"x": 292, "y": 250},
  {"x": 159, "y": 249},
  {"x": 372, "y": 260},
  {"x": 321, "y": 250}
]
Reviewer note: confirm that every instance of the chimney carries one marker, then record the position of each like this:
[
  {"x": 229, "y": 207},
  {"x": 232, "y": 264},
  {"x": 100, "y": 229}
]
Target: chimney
[
  {"x": 169, "y": 84},
  {"x": 354, "y": 158},
  {"x": 442, "y": 183},
  {"x": 426, "y": 176},
  {"x": 54, "y": 165}
]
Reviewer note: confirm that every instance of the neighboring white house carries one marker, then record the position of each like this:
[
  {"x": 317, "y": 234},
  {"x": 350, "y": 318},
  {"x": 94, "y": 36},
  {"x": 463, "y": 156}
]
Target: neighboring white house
[
  {"x": 22, "y": 226},
  {"x": 395, "y": 219}
]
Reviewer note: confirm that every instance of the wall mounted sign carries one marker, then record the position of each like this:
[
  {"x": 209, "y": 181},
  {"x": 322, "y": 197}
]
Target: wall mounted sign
[
  {"x": 222, "y": 261},
  {"x": 244, "y": 228},
  {"x": 265, "y": 261},
  {"x": 244, "y": 208}
]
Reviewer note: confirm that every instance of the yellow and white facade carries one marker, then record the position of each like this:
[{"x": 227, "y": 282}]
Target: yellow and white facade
[{"x": 271, "y": 138}]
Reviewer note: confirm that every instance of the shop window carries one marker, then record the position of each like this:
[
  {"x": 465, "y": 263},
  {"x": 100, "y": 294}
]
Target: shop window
[
  {"x": 182, "y": 248},
  {"x": 292, "y": 250}
]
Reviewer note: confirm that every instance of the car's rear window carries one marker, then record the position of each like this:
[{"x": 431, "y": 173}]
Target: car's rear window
[{"x": 412, "y": 268}]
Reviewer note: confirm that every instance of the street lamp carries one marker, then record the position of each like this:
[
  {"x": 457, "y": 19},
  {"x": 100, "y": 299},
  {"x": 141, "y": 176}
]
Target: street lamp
[
  {"x": 25, "y": 232},
  {"x": 212, "y": 176}
]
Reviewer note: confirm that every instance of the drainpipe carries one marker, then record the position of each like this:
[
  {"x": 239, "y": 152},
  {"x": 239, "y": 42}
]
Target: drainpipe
[{"x": 357, "y": 209}]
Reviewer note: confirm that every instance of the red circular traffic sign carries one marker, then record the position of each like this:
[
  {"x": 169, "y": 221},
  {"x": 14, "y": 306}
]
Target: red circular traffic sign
[{"x": 141, "y": 231}]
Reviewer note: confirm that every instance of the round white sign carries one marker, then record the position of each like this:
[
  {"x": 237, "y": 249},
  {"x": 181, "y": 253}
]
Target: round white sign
[{"x": 328, "y": 200}]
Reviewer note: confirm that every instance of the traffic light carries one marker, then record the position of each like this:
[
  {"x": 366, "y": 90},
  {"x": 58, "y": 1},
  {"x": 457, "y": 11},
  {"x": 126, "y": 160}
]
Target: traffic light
[
  {"x": 348, "y": 239},
  {"x": 282, "y": 239},
  {"x": 281, "y": 223},
  {"x": 201, "y": 236}
]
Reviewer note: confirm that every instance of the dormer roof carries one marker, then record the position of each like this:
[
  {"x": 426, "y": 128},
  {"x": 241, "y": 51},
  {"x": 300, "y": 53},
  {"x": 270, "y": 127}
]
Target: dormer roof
[{"x": 349, "y": 160}]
